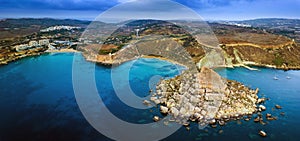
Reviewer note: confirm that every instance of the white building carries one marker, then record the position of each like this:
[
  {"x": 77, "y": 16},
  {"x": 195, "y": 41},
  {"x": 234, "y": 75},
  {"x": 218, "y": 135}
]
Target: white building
[
  {"x": 22, "y": 47},
  {"x": 51, "y": 47},
  {"x": 44, "y": 42},
  {"x": 53, "y": 28},
  {"x": 33, "y": 43}
]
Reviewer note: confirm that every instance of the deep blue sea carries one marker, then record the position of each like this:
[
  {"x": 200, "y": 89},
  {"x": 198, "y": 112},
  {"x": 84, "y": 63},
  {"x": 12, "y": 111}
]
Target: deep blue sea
[{"x": 37, "y": 101}]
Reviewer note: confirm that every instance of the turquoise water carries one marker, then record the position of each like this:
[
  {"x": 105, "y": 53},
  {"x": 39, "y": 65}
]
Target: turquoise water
[{"x": 37, "y": 101}]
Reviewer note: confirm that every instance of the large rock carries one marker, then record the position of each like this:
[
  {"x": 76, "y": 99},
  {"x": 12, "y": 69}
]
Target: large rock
[
  {"x": 174, "y": 111},
  {"x": 278, "y": 107},
  {"x": 204, "y": 96},
  {"x": 156, "y": 118},
  {"x": 146, "y": 102},
  {"x": 262, "y": 108},
  {"x": 262, "y": 133},
  {"x": 164, "y": 110}
]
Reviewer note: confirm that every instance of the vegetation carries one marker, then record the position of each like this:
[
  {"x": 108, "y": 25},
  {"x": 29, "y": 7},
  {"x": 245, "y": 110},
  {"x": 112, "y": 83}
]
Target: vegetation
[{"x": 278, "y": 61}]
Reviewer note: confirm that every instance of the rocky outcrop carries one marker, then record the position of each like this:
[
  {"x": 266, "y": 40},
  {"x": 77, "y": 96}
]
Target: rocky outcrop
[
  {"x": 282, "y": 58},
  {"x": 5, "y": 58},
  {"x": 204, "y": 97}
]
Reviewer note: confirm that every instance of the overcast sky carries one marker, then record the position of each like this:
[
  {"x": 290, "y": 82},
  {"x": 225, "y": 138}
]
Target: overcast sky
[{"x": 208, "y": 9}]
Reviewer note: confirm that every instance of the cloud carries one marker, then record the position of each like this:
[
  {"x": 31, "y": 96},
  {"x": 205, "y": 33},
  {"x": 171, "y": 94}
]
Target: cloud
[
  {"x": 124, "y": 1},
  {"x": 59, "y": 4},
  {"x": 241, "y": 10},
  {"x": 206, "y": 4},
  {"x": 149, "y": 9},
  {"x": 209, "y": 9}
]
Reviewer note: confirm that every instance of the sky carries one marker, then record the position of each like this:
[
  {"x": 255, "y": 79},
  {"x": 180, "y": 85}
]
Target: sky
[{"x": 208, "y": 9}]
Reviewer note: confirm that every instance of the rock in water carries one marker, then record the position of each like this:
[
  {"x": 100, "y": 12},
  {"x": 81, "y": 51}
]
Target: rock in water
[
  {"x": 261, "y": 100},
  {"x": 146, "y": 102},
  {"x": 164, "y": 110},
  {"x": 271, "y": 118},
  {"x": 262, "y": 133},
  {"x": 221, "y": 131},
  {"x": 156, "y": 118},
  {"x": 213, "y": 125},
  {"x": 221, "y": 122},
  {"x": 257, "y": 119},
  {"x": 262, "y": 107},
  {"x": 187, "y": 128},
  {"x": 278, "y": 107}
]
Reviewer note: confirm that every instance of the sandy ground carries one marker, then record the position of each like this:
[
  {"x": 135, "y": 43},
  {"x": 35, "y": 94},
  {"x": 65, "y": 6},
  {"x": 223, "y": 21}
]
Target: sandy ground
[{"x": 62, "y": 50}]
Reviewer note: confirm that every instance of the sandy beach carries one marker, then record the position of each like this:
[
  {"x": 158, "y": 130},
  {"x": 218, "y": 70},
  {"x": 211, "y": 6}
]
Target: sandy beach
[{"x": 62, "y": 51}]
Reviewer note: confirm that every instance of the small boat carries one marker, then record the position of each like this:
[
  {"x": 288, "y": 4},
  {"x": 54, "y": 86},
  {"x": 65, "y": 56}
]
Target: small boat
[
  {"x": 275, "y": 78},
  {"x": 288, "y": 77}
]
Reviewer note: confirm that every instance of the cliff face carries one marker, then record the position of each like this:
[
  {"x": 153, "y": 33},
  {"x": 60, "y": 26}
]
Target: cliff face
[
  {"x": 287, "y": 57},
  {"x": 250, "y": 46}
]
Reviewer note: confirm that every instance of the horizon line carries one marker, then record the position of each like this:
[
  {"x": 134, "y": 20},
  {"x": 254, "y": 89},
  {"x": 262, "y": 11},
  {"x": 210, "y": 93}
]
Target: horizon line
[{"x": 91, "y": 20}]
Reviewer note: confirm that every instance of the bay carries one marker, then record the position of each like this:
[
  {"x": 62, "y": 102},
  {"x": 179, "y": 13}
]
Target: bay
[{"x": 37, "y": 101}]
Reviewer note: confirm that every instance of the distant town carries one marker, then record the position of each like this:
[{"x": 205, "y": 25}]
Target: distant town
[{"x": 50, "y": 43}]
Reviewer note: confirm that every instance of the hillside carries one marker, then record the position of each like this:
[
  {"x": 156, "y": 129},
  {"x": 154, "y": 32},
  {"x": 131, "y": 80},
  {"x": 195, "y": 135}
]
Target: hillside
[
  {"x": 268, "y": 42},
  {"x": 252, "y": 46},
  {"x": 240, "y": 45},
  {"x": 286, "y": 27},
  {"x": 11, "y": 28}
]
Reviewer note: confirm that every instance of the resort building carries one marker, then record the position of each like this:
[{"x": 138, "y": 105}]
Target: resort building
[
  {"x": 33, "y": 43},
  {"x": 44, "y": 42},
  {"x": 22, "y": 47}
]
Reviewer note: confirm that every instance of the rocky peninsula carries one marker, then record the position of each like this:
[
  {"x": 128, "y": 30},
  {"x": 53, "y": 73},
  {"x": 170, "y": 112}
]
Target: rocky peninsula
[
  {"x": 205, "y": 98},
  {"x": 7, "y": 57}
]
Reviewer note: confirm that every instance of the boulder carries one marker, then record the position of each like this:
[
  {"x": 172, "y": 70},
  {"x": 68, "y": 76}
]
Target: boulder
[
  {"x": 203, "y": 112},
  {"x": 271, "y": 118},
  {"x": 194, "y": 99},
  {"x": 174, "y": 111},
  {"x": 262, "y": 133},
  {"x": 221, "y": 122},
  {"x": 164, "y": 110},
  {"x": 157, "y": 101},
  {"x": 156, "y": 118},
  {"x": 278, "y": 107},
  {"x": 213, "y": 121},
  {"x": 197, "y": 115},
  {"x": 213, "y": 125},
  {"x": 261, "y": 100},
  {"x": 262, "y": 108},
  {"x": 197, "y": 109},
  {"x": 146, "y": 102},
  {"x": 246, "y": 119},
  {"x": 257, "y": 119},
  {"x": 153, "y": 98},
  {"x": 187, "y": 128},
  {"x": 256, "y": 91},
  {"x": 182, "y": 111}
]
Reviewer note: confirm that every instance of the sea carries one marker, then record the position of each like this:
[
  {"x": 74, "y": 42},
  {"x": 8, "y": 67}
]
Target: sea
[{"x": 37, "y": 100}]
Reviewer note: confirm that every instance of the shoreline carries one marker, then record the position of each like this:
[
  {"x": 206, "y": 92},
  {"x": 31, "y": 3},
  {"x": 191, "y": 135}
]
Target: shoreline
[
  {"x": 25, "y": 55},
  {"x": 62, "y": 51},
  {"x": 250, "y": 65},
  {"x": 118, "y": 62},
  {"x": 247, "y": 65},
  {"x": 164, "y": 59}
]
